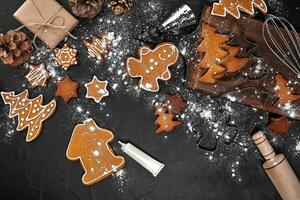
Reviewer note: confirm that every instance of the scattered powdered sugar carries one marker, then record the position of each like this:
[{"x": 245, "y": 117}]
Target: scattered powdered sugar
[
  {"x": 200, "y": 108},
  {"x": 297, "y": 147},
  {"x": 120, "y": 179}
]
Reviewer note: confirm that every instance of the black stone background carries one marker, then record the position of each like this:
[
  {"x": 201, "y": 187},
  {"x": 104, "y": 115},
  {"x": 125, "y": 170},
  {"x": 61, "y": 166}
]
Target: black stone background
[{"x": 40, "y": 169}]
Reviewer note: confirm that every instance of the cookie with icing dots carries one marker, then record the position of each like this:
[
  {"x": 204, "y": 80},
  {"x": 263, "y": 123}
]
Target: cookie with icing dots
[
  {"x": 89, "y": 144},
  {"x": 152, "y": 65},
  {"x": 30, "y": 112}
]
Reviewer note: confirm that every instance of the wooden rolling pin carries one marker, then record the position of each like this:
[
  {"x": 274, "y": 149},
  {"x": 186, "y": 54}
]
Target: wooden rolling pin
[{"x": 278, "y": 169}]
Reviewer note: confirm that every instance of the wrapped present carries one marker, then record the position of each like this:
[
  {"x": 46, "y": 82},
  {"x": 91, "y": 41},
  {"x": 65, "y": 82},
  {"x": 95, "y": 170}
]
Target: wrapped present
[{"x": 48, "y": 20}]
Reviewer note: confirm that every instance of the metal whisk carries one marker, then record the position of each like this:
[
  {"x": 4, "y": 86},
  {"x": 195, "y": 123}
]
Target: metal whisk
[{"x": 283, "y": 40}]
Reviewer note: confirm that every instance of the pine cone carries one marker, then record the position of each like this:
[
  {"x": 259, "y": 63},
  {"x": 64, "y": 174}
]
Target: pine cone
[
  {"x": 120, "y": 7},
  {"x": 86, "y": 8},
  {"x": 15, "y": 48}
]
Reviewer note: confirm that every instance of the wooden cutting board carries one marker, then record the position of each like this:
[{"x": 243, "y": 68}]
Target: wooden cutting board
[{"x": 247, "y": 86}]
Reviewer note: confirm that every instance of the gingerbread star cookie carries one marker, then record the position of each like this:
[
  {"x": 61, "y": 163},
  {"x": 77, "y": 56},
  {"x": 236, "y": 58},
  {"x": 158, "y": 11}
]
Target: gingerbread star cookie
[
  {"x": 279, "y": 126},
  {"x": 30, "y": 112},
  {"x": 233, "y": 7},
  {"x": 175, "y": 103},
  {"x": 153, "y": 65},
  {"x": 89, "y": 144},
  {"x": 96, "y": 89},
  {"x": 65, "y": 57},
  {"x": 37, "y": 75},
  {"x": 67, "y": 89}
]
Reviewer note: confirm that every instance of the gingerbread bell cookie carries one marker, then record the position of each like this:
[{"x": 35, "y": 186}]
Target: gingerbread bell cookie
[
  {"x": 30, "y": 112},
  {"x": 37, "y": 75},
  {"x": 89, "y": 144},
  {"x": 153, "y": 65},
  {"x": 96, "y": 89},
  {"x": 233, "y": 7},
  {"x": 65, "y": 57}
]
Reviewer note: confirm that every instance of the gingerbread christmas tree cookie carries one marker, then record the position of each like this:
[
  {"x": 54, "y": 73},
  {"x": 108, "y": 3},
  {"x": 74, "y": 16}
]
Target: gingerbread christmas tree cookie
[
  {"x": 153, "y": 65},
  {"x": 233, "y": 7},
  {"x": 30, "y": 112},
  {"x": 96, "y": 89},
  {"x": 219, "y": 57},
  {"x": 37, "y": 75},
  {"x": 98, "y": 48},
  {"x": 65, "y": 57},
  {"x": 165, "y": 120},
  {"x": 284, "y": 92},
  {"x": 89, "y": 144}
]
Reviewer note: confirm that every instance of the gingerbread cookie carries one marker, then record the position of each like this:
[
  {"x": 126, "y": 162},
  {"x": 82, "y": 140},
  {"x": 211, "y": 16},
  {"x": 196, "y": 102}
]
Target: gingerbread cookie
[
  {"x": 218, "y": 57},
  {"x": 65, "y": 57},
  {"x": 175, "y": 103},
  {"x": 279, "y": 126},
  {"x": 67, "y": 89},
  {"x": 30, "y": 112},
  {"x": 96, "y": 89},
  {"x": 164, "y": 120},
  {"x": 283, "y": 92},
  {"x": 153, "y": 65},
  {"x": 99, "y": 47},
  {"x": 37, "y": 76},
  {"x": 89, "y": 143},
  {"x": 233, "y": 7}
]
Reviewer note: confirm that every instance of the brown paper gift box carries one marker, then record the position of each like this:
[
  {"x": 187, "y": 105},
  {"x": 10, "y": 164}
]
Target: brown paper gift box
[{"x": 34, "y": 14}]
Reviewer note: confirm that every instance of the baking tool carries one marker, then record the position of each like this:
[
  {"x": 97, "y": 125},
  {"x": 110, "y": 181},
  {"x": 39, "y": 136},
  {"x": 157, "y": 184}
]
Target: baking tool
[
  {"x": 142, "y": 158},
  {"x": 278, "y": 169},
  {"x": 283, "y": 40}
]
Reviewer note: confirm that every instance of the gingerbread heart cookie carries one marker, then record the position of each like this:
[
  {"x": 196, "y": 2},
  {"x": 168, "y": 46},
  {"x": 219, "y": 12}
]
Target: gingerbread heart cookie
[
  {"x": 153, "y": 65},
  {"x": 89, "y": 144}
]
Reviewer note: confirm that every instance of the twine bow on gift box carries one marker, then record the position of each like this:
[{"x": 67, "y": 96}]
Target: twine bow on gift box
[{"x": 47, "y": 23}]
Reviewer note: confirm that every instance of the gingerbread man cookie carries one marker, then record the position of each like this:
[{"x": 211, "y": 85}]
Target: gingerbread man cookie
[
  {"x": 30, "y": 112},
  {"x": 96, "y": 89},
  {"x": 153, "y": 65},
  {"x": 233, "y": 7},
  {"x": 65, "y": 57},
  {"x": 89, "y": 144}
]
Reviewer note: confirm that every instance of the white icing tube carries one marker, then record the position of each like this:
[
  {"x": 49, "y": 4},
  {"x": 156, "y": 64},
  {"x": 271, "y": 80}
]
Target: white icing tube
[{"x": 145, "y": 160}]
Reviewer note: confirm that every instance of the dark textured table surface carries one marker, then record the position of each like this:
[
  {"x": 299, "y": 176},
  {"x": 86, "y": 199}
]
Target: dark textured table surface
[{"x": 40, "y": 169}]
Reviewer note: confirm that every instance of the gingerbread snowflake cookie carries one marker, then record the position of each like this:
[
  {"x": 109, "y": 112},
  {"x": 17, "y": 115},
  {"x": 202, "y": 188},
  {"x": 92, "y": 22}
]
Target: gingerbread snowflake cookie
[
  {"x": 96, "y": 89},
  {"x": 233, "y": 7},
  {"x": 90, "y": 145},
  {"x": 30, "y": 112},
  {"x": 153, "y": 65},
  {"x": 65, "y": 57},
  {"x": 37, "y": 75}
]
